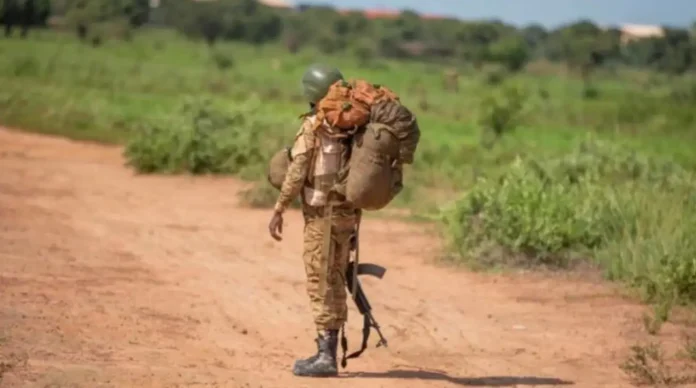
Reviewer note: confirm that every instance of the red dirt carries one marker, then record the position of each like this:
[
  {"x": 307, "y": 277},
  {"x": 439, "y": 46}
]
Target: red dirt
[{"x": 109, "y": 279}]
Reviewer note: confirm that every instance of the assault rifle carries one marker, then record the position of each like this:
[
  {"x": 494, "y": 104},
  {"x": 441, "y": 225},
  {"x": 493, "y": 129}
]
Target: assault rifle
[{"x": 352, "y": 282}]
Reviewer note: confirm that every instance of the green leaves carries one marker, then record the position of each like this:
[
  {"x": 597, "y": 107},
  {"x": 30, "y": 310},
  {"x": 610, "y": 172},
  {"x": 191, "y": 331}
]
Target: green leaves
[
  {"x": 633, "y": 215},
  {"x": 204, "y": 138}
]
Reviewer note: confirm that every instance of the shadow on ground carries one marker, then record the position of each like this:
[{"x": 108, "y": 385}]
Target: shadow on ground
[{"x": 492, "y": 381}]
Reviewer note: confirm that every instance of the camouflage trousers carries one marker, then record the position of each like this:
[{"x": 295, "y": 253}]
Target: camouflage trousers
[{"x": 329, "y": 308}]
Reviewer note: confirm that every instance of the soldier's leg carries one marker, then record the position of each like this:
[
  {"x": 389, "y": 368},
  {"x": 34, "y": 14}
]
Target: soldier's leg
[
  {"x": 313, "y": 263},
  {"x": 329, "y": 308},
  {"x": 336, "y": 305},
  {"x": 313, "y": 260}
]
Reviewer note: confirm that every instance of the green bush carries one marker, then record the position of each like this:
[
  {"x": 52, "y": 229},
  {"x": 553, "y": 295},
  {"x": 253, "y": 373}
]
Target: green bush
[
  {"x": 652, "y": 245},
  {"x": 223, "y": 60},
  {"x": 609, "y": 163},
  {"x": 633, "y": 215},
  {"x": 535, "y": 219},
  {"x": 500, "y": 113},
  {"x": 203, "y": 139}
]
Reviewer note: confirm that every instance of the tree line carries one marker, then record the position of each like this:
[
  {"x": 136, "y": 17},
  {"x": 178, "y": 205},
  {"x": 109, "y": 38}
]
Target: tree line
[
  {"x": 23, "y": 14},
  {"x": 582, "y": 45}
]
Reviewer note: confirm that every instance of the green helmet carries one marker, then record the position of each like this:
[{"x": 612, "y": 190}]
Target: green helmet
[{"x": 317, "y": 79}]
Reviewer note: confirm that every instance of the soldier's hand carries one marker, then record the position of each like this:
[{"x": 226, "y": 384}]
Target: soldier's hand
[{"x": 275, "y": 227}]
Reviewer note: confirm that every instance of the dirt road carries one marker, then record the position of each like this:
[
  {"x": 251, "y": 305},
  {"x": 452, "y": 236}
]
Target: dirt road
[{"x": 108, "y": 279}]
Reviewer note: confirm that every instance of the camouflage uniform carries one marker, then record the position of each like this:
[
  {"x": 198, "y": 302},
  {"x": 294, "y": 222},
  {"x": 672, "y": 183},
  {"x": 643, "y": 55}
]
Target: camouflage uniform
[
  {"x": 329, "y": 223},
  {"x": 325, "y": 280}
]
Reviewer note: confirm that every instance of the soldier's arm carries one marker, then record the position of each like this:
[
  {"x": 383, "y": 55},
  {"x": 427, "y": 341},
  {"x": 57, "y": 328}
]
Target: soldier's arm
[{"x": 298, "y": 169}]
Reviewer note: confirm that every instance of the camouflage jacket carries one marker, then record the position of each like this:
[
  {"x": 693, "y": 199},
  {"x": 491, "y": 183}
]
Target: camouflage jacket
[{"x": 298, "y": 171}]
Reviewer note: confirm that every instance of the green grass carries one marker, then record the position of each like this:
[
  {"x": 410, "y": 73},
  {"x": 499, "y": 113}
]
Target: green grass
[{"x": 529, "y": 195}]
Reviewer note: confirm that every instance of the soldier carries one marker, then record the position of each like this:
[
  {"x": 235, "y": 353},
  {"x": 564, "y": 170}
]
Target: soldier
[{"x": 330, "y": 224}]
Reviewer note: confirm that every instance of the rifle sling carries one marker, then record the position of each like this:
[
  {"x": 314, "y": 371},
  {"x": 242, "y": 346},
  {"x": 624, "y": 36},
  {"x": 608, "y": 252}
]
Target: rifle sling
[
  {"x": 344, "y": 341},
  {"x": 353, "y": 287}
]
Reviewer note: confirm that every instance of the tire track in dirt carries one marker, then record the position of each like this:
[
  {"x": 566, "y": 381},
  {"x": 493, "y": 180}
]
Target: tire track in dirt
[{"x": 109, "y": 279}]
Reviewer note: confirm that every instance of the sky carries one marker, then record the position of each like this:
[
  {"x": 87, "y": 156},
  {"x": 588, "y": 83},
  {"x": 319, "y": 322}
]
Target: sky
[{"x": 549, "y": 13}]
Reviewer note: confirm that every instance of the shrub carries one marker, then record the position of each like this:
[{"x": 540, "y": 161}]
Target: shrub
[
  {"x": 635, "y": 216},
  {"x": 495, "y": 77},
  {"x": 500, "y": 113},
  {"x": 223, "y": 60},
  {"x": 650, "y": 365},
  {"x": 261, "y": 195},
  {"x": 512, "y": 52},
  {"x": 527, "y": 214},
  {"x": 647, "y": 366},
  {"x": 203, "y": 139}
]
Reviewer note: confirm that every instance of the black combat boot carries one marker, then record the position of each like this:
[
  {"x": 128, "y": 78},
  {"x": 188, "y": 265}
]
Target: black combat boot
[
  {"x": 299, "y": 364},
  {"x": 324, "y": 363}
]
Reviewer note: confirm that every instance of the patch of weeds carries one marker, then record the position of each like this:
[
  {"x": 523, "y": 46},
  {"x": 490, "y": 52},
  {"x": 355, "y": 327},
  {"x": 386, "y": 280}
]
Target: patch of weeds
[
  {"x": 646, "y": 366},
  {"x": 590, "y": 92},
  {"x": 690, "y": 347},
  {"x": 259, "y": 196},
  {"x": 652, "y": 324},
  {"x": 495, "y": 77},
  {"x": 661, "y": 312},
  {"x": 222, "y": 60}
]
